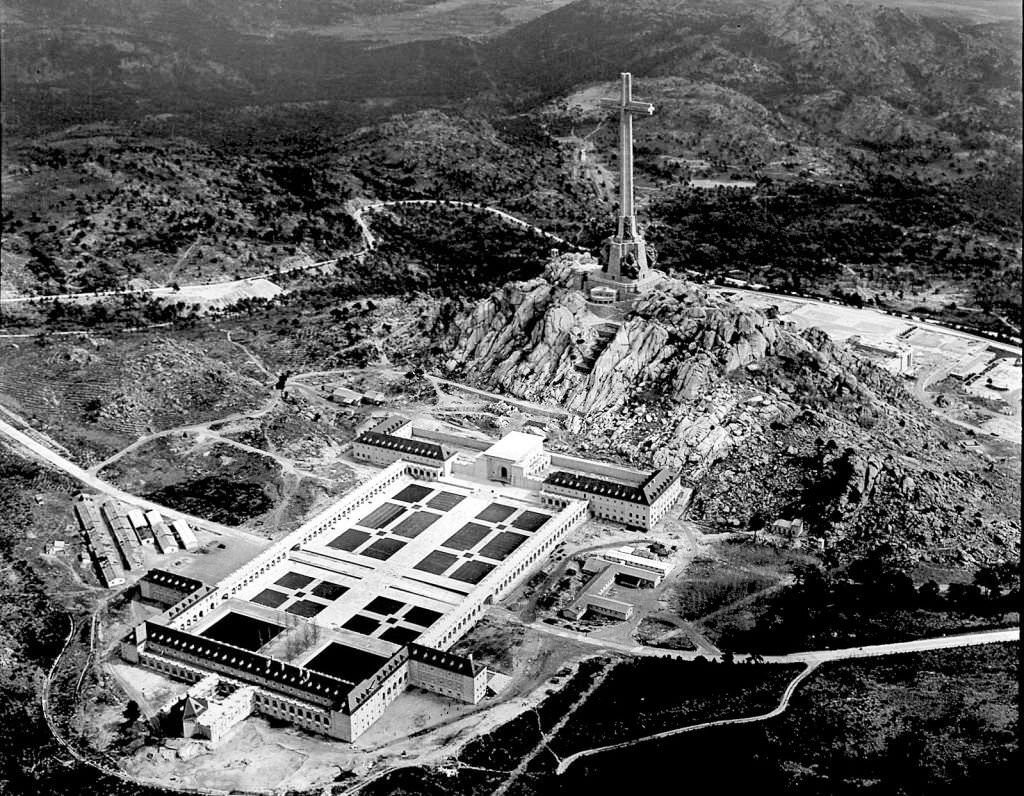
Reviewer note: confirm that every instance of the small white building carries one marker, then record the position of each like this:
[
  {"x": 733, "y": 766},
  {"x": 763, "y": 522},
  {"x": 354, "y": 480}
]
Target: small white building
[
  {"x": 626, "y": 557},
  {"x": 603, "y": 295},
  {"x": 346, "y": 397},
  {"x": 517, "y": 459},
  {"x": 375, "y": 397},
  {"x": 137, "y": 518},
  {"x": 894, "y": 355},
  {"x": 186, "y": 538},
  {"x": 209, "y": 709}
]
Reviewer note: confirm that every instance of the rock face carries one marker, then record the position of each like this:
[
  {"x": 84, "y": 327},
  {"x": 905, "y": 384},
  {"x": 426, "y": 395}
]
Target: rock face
[
  {"x": 539, "y": 341},
  {"x": 741, "y": 402}
]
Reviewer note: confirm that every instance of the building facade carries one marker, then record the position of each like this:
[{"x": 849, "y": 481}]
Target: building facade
[
  {"x": 634, "y": 505},
  {"x": 415, "y": 486},
  {"x": 428, "y": 459}
]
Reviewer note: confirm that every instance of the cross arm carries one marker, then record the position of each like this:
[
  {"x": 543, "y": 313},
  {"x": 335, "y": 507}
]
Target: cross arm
[
  {"x": 643, "y": 108},
  {"x": 633, "y": 106}
]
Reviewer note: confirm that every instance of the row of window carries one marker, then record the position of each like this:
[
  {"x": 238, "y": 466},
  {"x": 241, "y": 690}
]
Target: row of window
[
  {"x": 290, "y": 710},
  {"x": 471, "y": 617},
  {"x": 351, "y": 503}
]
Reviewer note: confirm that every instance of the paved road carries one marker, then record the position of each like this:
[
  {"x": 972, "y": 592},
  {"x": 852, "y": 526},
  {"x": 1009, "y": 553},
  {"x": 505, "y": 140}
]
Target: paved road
[
  {"x": 811, "y": 656},
  {"x": 812, "y": 660},
  {"x": 920, "y": 645},
  {"x": 528, "y": 406},
  {"x": 927, "y": 325},
  {"x": 514, "y": 220},
  {"x": 564, "y": 763},
  {"x": 94, "y": 482}
]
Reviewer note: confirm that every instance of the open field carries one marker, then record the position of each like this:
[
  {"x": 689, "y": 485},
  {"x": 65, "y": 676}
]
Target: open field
[
  {"x": 98, "y": 394},
  {"x": 731, "y": 571},
  {"x": 792, "y": 619},
  {"x": 646, "y": 696},
  {"x": 199, "y": 476}
]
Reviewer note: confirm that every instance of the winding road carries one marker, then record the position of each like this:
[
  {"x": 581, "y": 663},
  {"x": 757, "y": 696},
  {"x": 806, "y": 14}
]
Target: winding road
[
  {"x": 812, "y": 660},
  {"x": 778, "y": 710},
  {"x": 369, "y": 243}
]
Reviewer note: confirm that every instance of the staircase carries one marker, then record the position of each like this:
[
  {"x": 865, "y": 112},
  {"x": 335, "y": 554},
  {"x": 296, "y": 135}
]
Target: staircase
[{"x": 605, "y": 333}]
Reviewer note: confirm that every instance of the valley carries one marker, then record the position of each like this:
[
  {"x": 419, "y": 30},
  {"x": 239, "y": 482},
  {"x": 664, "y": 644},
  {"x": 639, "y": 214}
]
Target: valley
[{"x": 270, "y": 268}]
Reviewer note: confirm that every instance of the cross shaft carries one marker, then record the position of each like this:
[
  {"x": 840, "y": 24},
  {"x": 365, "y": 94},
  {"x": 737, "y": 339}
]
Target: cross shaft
[{"x": 628, "y": 108}]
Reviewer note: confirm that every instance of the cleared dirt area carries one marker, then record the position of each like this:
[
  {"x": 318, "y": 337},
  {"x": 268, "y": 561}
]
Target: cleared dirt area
[
  {"x": 96, "y": 395},
  {"x": 732, "y": 572},
  {"x": 200, "y": 475}
]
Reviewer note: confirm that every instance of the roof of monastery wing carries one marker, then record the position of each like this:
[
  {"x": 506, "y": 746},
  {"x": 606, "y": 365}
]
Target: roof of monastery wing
[
  {"x": 389, "y": 425},
  {"x": 645, "y": 494},
  {"x": 657, "y": 482},
  {"x": 414, "y": 447},
  {"x": 242, "y": 662},
  {"x": 460, "y": 664},
  {"x": 173, "y": 580}
]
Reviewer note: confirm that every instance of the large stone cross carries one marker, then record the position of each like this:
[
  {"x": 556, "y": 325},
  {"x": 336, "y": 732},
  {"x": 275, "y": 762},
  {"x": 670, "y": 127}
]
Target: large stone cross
[{"x": 628, "y": 108}]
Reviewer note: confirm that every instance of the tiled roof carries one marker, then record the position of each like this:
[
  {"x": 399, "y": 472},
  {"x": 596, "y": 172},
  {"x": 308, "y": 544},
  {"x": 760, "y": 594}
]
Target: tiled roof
[
  {"x": 414, "y": 447},
  {"x": 250, "y": 666},
  {"x": 645, "y": 493},
  {"x": 389, "y": 425},
  {"x": 162, "y": 577},
  {"x": 460, "y": 664},
  {"x": 657, "y": 482},
  {"x": 372, "y": 684}
]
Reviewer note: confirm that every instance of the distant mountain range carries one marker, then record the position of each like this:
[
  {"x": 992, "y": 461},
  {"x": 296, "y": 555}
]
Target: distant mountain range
[
  {"x": 911, "y": 121},
  {"x": 126, "y": 59}
]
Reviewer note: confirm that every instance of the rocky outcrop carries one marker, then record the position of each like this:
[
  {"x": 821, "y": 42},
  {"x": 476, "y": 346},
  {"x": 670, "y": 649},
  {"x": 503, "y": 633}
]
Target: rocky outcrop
[
  {"x": 768, "y": 421},
  {"x": 530, "y": 338},
  {"x": 538, "y": 340}
]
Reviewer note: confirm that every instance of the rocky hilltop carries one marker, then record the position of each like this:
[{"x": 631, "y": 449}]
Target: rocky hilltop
[
  {"x": 765, "y": 421},
  {"x": 679, "y": 352}
]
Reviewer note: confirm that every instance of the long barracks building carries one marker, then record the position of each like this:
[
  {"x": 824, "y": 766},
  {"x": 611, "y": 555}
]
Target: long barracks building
[{"x": 333, "y": 622}]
